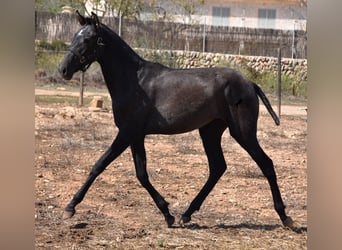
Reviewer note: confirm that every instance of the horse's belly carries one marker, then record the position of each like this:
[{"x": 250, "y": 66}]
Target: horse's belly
[{"x": 180, "y": 120}]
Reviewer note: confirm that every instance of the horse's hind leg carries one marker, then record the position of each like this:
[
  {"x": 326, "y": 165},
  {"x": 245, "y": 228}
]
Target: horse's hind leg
[
  {"x": 139, "y": 156},
  {"x": 267, "y": 168},
  {"x": 211, "y": 137},
  {"x": 244, "y": 132}
]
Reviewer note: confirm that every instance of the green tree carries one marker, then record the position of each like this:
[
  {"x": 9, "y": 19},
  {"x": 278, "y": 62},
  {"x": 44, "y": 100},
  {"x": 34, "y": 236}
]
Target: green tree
[
  {"x": 188, "y": 6},
  {"x": 56, "y": 5},
  {"x": 127, "y": 8}
]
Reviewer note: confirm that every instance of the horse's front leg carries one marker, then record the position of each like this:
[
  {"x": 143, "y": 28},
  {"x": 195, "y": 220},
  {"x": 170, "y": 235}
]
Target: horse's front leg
[
  {"x": 211, "y": 138},
  {"x": 139, "y": 156},
  {"x": 120, "y": 143}
]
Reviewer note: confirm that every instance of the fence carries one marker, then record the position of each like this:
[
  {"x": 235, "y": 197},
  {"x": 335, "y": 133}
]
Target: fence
[{"x": 176, "y": 36}]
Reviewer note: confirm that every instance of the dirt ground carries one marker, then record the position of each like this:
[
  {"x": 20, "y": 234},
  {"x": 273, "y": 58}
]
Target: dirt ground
[{"x": 118, "y": 213}]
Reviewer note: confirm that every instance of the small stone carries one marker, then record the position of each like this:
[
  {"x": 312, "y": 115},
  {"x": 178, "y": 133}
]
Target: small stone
[{"x": 97, "y": 102}]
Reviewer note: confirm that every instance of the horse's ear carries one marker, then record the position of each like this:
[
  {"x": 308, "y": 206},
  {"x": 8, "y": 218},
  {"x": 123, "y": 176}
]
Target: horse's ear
[
  {"x": 80, "y": 18},
  {"x": 95, "y": 18}
]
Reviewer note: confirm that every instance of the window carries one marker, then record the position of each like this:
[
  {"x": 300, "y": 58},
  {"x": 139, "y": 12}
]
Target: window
[
  {"x": 266, "y": 18},
  {"x": 221, "y": 16}
]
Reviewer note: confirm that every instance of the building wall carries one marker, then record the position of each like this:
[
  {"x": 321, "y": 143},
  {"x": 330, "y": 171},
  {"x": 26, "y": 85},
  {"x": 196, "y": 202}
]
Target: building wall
[
  {"x": 260, "y": 2},
  {"x": 290, "y": 14},
  {"x": 246, "y": 15}
]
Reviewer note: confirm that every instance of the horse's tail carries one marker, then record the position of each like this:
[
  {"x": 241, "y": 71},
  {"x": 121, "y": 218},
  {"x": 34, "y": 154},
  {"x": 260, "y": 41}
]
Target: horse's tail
[{"x": 266, "y": 102}]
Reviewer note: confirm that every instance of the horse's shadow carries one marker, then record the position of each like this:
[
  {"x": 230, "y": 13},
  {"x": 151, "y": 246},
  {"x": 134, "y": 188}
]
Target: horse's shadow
[{"x": 195, "y": 226}]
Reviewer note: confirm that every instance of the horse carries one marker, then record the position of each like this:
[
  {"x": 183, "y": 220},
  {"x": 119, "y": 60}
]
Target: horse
[{"x": 150, "y": 98}]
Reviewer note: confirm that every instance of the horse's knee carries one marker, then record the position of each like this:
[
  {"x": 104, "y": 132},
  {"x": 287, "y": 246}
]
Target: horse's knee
[
  {"x": 96, "y": 170},
  {"x": 267, "y": 168},
  {"x": 143, "y": 178},
  {"x": 218, "y": 171},
  {"x": 222, "y": 169},
  {"x": 217, "y": 167}
]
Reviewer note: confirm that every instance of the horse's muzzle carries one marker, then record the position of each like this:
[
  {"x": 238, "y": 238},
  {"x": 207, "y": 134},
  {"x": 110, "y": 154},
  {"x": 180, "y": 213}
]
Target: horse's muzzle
[{"x": 65, "y": 72}]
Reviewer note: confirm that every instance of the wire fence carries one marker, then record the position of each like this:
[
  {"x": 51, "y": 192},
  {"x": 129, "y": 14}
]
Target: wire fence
[{"x": 177, "y": 36}]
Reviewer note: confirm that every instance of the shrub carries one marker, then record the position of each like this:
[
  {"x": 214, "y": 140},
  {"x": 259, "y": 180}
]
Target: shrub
[{"x": 55, "y": 45}]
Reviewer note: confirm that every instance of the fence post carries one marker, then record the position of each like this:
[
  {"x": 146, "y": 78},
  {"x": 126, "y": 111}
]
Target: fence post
[
  {"x": 120, "y": 23},
  {"x": 279, "y": 82},
  {"x": 80, "y": 99},
  {"x": 204, "y": 34}
]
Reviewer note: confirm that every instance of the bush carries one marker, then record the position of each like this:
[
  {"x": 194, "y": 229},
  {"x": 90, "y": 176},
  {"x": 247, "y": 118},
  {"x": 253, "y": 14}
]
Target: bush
[
  {"x": 55, "y": 45},
  {"x": 165, "y": 58},
  {"x": 47, "y": 61},
  {"x": 268, "y": 80},
  {"x": 46, "y": 65}
]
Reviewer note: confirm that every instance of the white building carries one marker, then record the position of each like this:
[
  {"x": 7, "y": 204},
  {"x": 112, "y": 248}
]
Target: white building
[{"x": 263, "y": 14}]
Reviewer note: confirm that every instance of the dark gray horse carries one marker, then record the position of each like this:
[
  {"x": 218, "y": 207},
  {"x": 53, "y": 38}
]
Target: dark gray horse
[{"x": 149, "y": 98}]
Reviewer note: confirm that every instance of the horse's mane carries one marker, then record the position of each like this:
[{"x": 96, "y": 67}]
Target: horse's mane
[{"x": 120, "y": 43}]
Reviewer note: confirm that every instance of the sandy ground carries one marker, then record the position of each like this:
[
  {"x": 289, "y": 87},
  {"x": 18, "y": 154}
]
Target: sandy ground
[{"x": 117, "y": 213}]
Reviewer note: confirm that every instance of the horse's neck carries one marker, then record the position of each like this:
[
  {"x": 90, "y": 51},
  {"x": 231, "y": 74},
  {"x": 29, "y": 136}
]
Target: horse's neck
[{"x": 119, "y": 64}]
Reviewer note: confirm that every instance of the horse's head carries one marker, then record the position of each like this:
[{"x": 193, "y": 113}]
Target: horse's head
[{"x": 84, "y": 48}]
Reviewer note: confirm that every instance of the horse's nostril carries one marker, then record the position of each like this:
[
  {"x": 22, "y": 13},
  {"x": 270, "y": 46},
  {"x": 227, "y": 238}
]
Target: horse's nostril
[{"x": 63, "y": 71}]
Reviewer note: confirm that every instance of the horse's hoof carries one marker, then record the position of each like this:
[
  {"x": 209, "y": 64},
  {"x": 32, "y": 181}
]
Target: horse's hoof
[
  {"x": 288, "y": 223},
  {"x": 185, "y": 219},
  {"x": 68, "y": 213},
  {"x": 170, "y": 220}
]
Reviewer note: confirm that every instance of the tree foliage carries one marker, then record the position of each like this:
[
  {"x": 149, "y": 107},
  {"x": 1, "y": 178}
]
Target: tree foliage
[
  {"x": 188, "y": 6},
  {"x": 127, "y": 8},
  {"x": 56, "y": 5}
]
